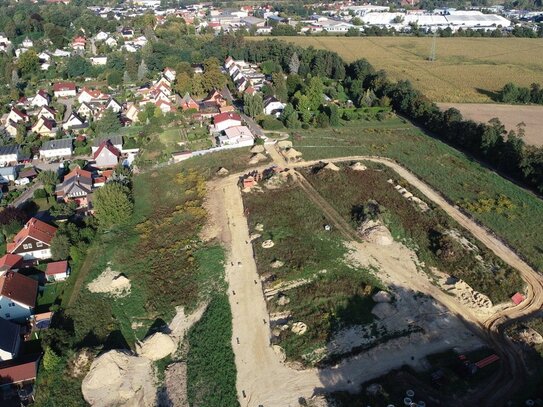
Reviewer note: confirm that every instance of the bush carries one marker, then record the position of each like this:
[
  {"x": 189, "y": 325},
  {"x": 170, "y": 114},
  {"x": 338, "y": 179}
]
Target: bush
[
  {"x": 40, "y": 193},
  {"x": 271, "y": 123}
]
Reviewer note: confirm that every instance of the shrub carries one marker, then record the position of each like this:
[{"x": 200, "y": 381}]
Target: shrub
[
  {"x": 271, "y": 123},
  {"x": 40, "y": 193}
]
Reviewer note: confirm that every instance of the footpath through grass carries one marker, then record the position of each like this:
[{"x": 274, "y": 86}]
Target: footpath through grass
[{"x": 509, "y": 211}]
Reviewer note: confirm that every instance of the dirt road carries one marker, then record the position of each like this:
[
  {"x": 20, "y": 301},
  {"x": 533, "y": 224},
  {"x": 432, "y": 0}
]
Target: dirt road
[{"x": 263, "y": 380}]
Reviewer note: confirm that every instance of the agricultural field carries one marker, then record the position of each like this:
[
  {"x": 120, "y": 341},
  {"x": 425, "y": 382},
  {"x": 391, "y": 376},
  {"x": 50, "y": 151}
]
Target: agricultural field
[
  {"x": 466, "y": 69},
  {"x": 511, "y": 212},
  {"x": 509, "y": 115},
  {"x": 304, "y": 260}
]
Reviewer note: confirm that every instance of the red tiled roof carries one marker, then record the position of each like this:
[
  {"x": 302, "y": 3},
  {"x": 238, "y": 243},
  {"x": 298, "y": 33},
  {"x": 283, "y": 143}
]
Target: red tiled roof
[
  {"x": 19, "y": 288},
  {"x": 517, "y": 298},
  {"x": 36, "y": 229},
  {"x": 107, "y": 145},
  {"x": 11, "y": 373},
  {"x": 226, "y": 116},
  {"x": 10, "y": 261},
  {"x": 19, "y": 113},
  {"x": 57, "y": 267},
  {"x": 61, "y": 86},
  {"x": 78, "y": 172}
]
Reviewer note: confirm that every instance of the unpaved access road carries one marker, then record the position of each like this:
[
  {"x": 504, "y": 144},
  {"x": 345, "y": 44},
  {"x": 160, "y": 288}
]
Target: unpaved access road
[{"x": 263, "y": 380}]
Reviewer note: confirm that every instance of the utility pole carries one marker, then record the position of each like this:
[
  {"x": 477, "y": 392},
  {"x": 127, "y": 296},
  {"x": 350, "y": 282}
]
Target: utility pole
[{"x": 432, "y": 57}]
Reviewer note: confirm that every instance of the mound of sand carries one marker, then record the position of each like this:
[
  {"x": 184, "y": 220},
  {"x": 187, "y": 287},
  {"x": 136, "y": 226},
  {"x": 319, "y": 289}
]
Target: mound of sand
[
  {"x": 383, "y": 310},
  {"x": 256, "y": 158},
  {"x": 259, "y": 227},
  {"x": 284, "y": 144},
  {"x": 267, "y": 244},
  {"x": 257, "y": 149},
  {"x": 299, "y": 328},
  {"x": 292, "y": 155},
  {"x": 275, "y": 181},
  {"x": 358, "y": 167},
  {"x": 222, "y": 171},
  {"x": 110, "y": 282},
  {"x": 276, "y": 264},
  {"x": 283, "y": 300},
  {"x": 530, "y": 336},
  {"x": 382, "y": 296},
  {"x": 119, "y": 378},
  {"x": 375, "y": 232},
  {"x": 331, "y": 166},
  {"x": 156, "y": 347}
]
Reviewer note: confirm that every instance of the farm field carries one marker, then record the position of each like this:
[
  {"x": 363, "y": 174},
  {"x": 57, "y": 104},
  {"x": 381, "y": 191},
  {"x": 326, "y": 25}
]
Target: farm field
[
  {"x": 466, "y": 69},
  {"x": 509, "y": 115},
  {"x": 510, "y": 211}
]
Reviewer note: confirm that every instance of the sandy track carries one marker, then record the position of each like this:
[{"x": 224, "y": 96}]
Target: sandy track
[{"x": 263, "y": 380}]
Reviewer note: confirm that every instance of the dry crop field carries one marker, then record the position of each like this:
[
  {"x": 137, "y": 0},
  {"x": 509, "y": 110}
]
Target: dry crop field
[
  {"x": 466, "y": 69},
  {"x": 509, "y": 115}
]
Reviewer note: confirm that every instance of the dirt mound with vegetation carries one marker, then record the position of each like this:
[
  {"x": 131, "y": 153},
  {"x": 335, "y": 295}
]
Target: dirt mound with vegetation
[
  {"x": 375, "y": 232},
  {"x": 110, "y": 282}
]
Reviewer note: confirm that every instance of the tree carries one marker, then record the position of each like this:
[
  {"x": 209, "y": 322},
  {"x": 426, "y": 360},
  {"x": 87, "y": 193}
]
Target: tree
[
  {"x": 112, "y": 205},
  {"x": 60, "y": 246},
  {"x": 333, "y": 113},
  {"x": 78, "y": 66},
  {"x": 109, "y": 123},
  {"x": 182, "y": 83},
  {"x": 212, "y": 78},
  {"x": 114, "y": 78},
  {"x": 51, "y": 361},
  {"x": 314, "y": 93},
  {"x": 49, "y": 180},
  {"x": 253, "y": 105},
  {"x": 280, "y": 86},
  {"x": 294, "y": 64},
  {"x": 14, "y": 78},
  {"x": 28, "y": 62},
  {"x": 142, "y": 70}
]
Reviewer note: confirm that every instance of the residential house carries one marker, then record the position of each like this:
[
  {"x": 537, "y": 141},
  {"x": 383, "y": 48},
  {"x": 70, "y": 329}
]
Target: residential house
[
  {"x": 17, "y": 296},
  {"x": 8, "y": 174},
  {"x": 101, "y": 36},
  {"x": 5, "y": 43},
  {"x": 132, "y": 113},
  {"x": 26, "y": 175},
  {"x": 117, "y": 142},
  {"x": 53, "y": 149},
  {"x": 41, "y": 99},
  {"x": 76, "y": 187},
  {"x": 215, "y": 98},
  {"x": 9, "y": 155},
  {"x": 272, "y": 106},
  {"x": 10, "y": 262},
  {"x": 18, "y": 373},
  {"x": 60, "y": 53},
  {"x": 33, "y": 241},
  {"x": 27, "y": 43},
  {"x": 165, "y": 106},
  {"x": 75, "y": 122},
  {"x": 11, "y": 128},
  {"x": 10, "y": 340},
  {"x": 223, "y": 121},
  {"x": 107, "y": 155},
  {"x": 16, "y": 116},
  {"x": 111, "y": 42},
  {"x": 47, "y": 112},
  {"x": 113, "y": 105},
  {"x": 57, "y": 271},
  {"x": 92, "y": 96},
  {"x": 78, "y": 43},
  {"x": 64, "y": 89},
  {"x": 127, "y": 33},
  {"x": 236, "y": 135},
  {"x": 98, "y": 61},
  {"x": 45, "y": 127},
  {"x": 188, "y": 103},
  {"x": 169, "y": 74},
  {"x": 85, "y": 110}
]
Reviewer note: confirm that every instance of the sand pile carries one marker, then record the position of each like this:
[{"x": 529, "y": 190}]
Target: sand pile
[
  {"x": 299, "y": 328},
  {"x": 280, "y": 352},
  {"x": 267, "y": 244},
  {"x": 276, "y": 264},
  {"x": 110, "y": 282},
  {"x": 375, "y": 232},
  {"x": 256, "y": 158},
  {"x": 331, "y": 167},
  {"x": 222, "y": 171},
  {"x": 283, "y": 300},
  {"x": 119, "y": 378},
  {"x": 156, "y": 346},
  {"x": 284, "y": 144},
  {"x": 292, "y": 155},
  {"x": 257, "y": 149},
  {"x": 358, "y": 167},
  {"x": 259, "y": 227},
  {"x": 530, "y": 336},
  {"x": 382, "y": 296}
]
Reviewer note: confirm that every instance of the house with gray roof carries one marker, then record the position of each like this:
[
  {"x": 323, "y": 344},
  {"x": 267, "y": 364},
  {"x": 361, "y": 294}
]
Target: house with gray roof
[
  {"x": 60, "y": 148},
  {"x": 8, "y": 174},
  {"x": 9, "y": 155}
]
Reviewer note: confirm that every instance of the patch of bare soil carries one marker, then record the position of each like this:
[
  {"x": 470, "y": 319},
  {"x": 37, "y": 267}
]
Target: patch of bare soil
[
  {"x": 509, "y": 115},
  {"x": 110, "y": 282},
  {"x": 174, "y": 393}
]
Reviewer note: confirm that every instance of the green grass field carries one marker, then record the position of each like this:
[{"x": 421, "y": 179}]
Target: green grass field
[
  {"x": 466, "y": 69},
  {"x": 337, "y": 294},
  {"x": 459, "y": 178}
]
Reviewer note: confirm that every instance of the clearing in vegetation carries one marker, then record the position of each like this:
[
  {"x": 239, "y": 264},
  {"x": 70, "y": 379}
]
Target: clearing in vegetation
[
  {"x": 510, "y": 116},
  {"x": 368, "y": 196},
  {"x": 318, "y": 288},
  {"x": 509, "y": 211},
  {"x": 466, "y": 69}
]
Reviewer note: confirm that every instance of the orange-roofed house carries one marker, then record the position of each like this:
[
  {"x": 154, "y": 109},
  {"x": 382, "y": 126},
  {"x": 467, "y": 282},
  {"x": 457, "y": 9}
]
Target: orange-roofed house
[
  {"x": 33, "y": 241},
  {"x": 57, "y": 271},
  {"x": 79, "y": 43},
  {"x": 10, "y": 262},
  {"x": 188, "y": 103},
  {"x": 76, "y": 186},
  {"x": 17, "y": 296}
]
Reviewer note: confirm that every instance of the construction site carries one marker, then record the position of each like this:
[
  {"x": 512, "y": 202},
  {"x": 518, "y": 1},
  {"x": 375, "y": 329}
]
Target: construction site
[{"x": 348, "y": 275}]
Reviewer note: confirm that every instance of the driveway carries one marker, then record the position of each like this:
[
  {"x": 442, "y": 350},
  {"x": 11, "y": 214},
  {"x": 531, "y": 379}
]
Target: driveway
[{"x": 26, "y": 195}]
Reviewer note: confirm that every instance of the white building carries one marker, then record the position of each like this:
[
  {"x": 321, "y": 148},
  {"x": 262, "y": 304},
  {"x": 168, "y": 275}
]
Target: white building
[
  {"x": 238, "y": 135},
  {"x": 61, "y": 148},
  {"x": 272, "y": 106},
  {"x": 9, "y": 155},
  {"x": 17, "y": 296}
]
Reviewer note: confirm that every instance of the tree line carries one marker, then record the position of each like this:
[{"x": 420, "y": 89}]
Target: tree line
[{"x": 512, "y": 93}]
